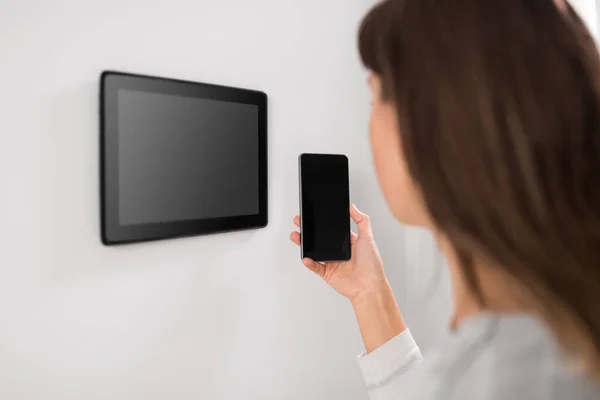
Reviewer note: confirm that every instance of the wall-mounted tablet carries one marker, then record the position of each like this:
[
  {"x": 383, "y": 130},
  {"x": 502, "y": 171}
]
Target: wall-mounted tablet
[{"x": 180, "y": 158}]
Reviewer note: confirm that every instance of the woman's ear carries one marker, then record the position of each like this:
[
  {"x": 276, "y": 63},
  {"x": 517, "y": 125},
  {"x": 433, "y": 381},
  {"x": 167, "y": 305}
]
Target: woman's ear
[{"x": 562, "y": 4}]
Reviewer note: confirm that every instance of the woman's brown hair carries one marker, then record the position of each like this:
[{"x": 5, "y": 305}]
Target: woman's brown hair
[{"x": 498, "y": 104}]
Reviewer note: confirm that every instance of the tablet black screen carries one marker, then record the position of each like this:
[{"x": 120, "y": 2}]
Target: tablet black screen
[{"x": 185, "y": 158}]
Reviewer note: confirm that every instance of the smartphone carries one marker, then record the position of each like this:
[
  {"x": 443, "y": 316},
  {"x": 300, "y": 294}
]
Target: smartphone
[{"x": 324, "y": 207}]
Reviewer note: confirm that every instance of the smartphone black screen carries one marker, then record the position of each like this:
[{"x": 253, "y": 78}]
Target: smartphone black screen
[{"x": 325, "y": 207}]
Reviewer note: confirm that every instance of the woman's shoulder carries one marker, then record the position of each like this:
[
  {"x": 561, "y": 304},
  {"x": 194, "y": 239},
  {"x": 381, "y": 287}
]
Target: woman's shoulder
[{"x": 500, "y": 356}]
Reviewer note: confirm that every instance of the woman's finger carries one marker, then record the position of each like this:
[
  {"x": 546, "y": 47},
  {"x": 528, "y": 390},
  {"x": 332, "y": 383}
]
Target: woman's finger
[
  {"x": 297, "y": 221},
  {"x": 295, "y": 237},
  {"x": 353, "y": 237},
  {"x": 315, "y": 267},
  {"x": 362, "y": 221}
]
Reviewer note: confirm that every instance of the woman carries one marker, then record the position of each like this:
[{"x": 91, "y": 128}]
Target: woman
[{"x": 485, "y": 129}]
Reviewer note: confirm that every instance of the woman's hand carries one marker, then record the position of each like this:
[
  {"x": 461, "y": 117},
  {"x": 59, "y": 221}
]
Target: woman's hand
[
  {"x": 363, "y": 281},
  {"x": 361, "y": 275}
]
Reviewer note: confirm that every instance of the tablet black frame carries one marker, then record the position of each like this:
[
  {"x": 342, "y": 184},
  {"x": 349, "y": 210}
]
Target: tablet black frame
[{"x": 111, "y": 231}]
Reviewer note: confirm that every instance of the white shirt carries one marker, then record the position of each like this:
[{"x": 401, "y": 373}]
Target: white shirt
[{"x": 487, "y": 358}]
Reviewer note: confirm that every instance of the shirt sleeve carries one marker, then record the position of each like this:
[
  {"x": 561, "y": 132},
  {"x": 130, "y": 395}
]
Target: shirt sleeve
[{"x": 383, "y": 366}]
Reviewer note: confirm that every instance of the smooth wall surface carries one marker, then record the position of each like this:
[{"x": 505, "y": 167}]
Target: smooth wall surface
[
  {"x": 232, "y": 316},
  {"x": 588, "y": 9}
]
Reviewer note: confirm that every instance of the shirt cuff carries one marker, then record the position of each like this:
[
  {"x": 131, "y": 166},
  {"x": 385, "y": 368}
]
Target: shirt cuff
[{"x": 394, "y": 357}]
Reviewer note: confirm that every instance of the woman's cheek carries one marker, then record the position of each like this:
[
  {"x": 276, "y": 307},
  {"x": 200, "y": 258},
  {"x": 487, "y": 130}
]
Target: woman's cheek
[
  {"x": 395, "y": 182},
  {"x": 386, "y": 160}
]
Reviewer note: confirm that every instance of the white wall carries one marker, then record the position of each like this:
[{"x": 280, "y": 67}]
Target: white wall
[
  {"x": 588, "y": 9},
  {"x": 232, "y": 316}
]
